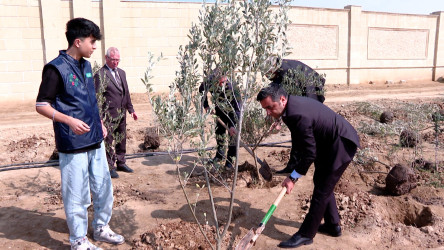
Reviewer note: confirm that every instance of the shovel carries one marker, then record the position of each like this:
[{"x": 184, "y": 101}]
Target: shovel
[
  {"x": 264, "y": 170},
  {"x": 250, "y": 238}
]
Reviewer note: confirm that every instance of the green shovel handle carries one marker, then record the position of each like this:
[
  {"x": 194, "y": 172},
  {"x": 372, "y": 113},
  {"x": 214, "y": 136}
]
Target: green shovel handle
[{"x": 273, "y": 207}]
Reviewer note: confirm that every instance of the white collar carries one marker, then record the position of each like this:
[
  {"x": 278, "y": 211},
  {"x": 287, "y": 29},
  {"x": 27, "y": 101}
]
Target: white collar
[{"x": 109, "y": 68}]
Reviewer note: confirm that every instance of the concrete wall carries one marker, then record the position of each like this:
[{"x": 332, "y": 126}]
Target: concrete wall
[{"x": 349, "y": 45}]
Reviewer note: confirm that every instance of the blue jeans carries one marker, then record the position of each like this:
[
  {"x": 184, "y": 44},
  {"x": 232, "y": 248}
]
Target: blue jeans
[{"x": 82, "y": 173}]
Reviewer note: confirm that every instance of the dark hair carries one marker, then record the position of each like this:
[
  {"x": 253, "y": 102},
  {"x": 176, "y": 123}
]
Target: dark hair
[
  {"x": 274, "y": 90},
  {"x": 81, "y": 28}
]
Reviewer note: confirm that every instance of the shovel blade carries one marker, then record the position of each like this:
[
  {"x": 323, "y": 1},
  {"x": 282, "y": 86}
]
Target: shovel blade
[
  {"x": 265, "y": 171},
  {"x": 247, "y": 241},
  {"x": 250, "y": 238}
]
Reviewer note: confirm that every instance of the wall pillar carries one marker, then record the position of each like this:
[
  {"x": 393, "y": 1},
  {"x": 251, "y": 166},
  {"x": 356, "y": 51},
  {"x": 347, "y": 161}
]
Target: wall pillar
[
  {"x": 52, "y": 39},
  {"x": 355, "y": 36},
  {"x": 438, "y": 61}
]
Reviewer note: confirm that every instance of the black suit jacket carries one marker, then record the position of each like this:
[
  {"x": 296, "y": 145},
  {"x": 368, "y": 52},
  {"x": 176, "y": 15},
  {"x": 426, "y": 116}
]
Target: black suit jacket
[
  {"x": 316, "y": 134},
  {"x": 115, "y": 98},
  {"x": 310, "y": 90},
  {"x": 232, "y": 112}
]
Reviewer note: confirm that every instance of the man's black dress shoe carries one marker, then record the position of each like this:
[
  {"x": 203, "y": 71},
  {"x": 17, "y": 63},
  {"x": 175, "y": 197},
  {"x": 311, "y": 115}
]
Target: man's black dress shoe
[
  {"x": 286, "y": 170},
  {"x": 333, "y": 230},
  {"x": 295, "y": 241},
  {"x": 113, "y": 173},
  {"x": 125, "y": 168}
]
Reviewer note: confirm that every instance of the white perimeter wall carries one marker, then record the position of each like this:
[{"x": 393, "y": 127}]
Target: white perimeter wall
[{"x": 349, "y": 45}]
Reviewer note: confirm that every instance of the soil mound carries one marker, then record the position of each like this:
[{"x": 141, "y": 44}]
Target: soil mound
[
  {"x": 409, "y": 138},
  {"x": 386, "y": 117},
  {"x": 151, "y": 139},
  {"x": 400, "y": 180}
]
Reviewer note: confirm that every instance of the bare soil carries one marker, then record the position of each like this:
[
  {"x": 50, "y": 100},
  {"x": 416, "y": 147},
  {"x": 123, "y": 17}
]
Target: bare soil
[{"x": 151, "y": 212}]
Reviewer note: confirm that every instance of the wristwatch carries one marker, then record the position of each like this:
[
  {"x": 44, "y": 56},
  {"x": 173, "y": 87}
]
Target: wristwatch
[{"x": 294, "y": 180}]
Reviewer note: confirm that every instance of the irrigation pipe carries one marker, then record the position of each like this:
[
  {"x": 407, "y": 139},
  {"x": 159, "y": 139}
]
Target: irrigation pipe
[
  {"x": 31, "y": 166},
  {"x": 53, "y": 163}
]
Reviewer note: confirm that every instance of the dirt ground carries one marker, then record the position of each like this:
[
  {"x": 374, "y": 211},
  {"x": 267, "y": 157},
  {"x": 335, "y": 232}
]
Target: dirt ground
[{"x": 150, "y": 208}]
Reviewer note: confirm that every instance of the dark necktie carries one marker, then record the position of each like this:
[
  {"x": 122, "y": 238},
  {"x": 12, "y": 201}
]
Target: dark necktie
[{"x": 118, "y": 80}]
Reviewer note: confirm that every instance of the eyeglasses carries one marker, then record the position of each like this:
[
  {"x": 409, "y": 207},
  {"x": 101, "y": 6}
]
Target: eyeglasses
[{"x": 113, "y": 60}]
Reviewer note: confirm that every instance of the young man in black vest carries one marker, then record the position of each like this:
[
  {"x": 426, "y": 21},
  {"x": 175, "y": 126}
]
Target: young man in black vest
[{"x": 67, "y": 97}]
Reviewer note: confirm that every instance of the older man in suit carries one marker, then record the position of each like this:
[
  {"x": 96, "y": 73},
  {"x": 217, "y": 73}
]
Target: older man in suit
[
  {"x": 117, "y": 97},
  {"x": 318, "y": 135}
]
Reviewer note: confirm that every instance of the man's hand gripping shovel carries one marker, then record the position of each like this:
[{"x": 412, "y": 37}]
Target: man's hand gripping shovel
[{"x": 250, "y": 238}]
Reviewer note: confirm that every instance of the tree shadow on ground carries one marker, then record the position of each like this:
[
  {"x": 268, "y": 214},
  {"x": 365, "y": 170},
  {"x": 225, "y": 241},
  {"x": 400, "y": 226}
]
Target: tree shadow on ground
[
  {"x": 243, "y": 217},
  {"x": 186, "y": 162},
  {"x": 35, "y": 226},
  {"x": 21, "y": 224},
  {"x": 122, "y": 222},
  {"x": 40, "y": 182}
]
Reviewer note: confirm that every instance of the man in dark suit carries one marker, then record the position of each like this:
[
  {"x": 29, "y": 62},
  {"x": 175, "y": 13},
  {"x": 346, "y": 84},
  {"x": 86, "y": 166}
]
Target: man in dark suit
[
  {"x": 318, "y": 135},
  {"x": 226, "y": 101},
  {"x": 301, "y": 78},
  {"x": 117, "y": 97}
]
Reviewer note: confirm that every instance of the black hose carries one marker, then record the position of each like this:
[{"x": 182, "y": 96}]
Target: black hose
[
  {"x": 28, "y": 163},
  {"x": 273, "y": 144},
  {"x": 52, "y": 163},
  {"x": 31, "y": 166}
]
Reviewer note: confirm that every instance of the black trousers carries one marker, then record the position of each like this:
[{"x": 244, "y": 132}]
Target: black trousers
[
  {"x": 116, "y": 154},
  {"x": 323, "y": 202},
  {"x": 221, "y": 138}
]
